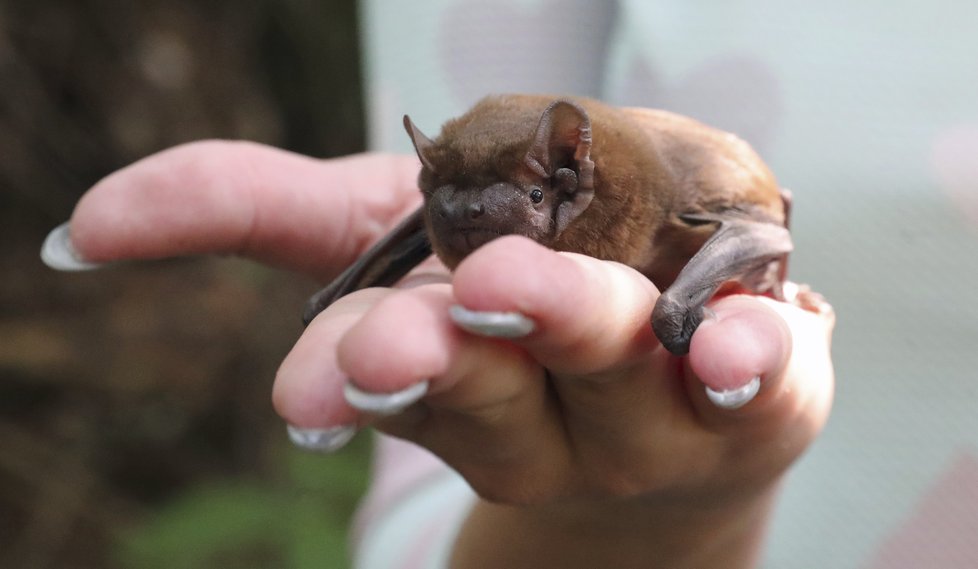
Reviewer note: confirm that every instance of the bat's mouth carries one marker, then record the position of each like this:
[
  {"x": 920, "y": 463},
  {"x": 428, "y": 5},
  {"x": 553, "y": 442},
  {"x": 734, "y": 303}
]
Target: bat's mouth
[{"x": 469, "y": 239}]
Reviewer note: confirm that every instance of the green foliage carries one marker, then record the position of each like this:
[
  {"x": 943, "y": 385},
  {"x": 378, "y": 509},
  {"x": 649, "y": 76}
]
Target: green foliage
[{"x": 300, "y": 521}]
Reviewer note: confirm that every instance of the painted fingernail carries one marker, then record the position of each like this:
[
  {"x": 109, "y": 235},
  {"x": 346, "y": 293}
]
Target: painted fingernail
[
  {"x": 492, "y": 324},
  {"x": 383, "y": 403},
  {"x": 735, "y": 398},
  {"x": 58, "y": 252},
  {"x": 321, "y": 440}
]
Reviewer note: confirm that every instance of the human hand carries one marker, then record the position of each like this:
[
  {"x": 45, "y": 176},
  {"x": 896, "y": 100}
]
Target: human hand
[
  {"x": 585, "y": 420},
  {"x": 309, "y": 216}
]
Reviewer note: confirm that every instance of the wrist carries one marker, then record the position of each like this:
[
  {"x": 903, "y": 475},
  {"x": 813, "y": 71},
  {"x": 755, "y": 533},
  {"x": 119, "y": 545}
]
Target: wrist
[{"x": 645, "y": 532}]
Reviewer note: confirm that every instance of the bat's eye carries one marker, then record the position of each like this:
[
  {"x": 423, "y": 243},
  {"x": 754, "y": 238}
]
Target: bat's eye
[{"x": 536, "y": 195}]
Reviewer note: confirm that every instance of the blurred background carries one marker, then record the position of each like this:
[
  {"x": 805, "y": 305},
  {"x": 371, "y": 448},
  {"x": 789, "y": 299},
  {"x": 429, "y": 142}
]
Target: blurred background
[{"x": 136, "y": 428}]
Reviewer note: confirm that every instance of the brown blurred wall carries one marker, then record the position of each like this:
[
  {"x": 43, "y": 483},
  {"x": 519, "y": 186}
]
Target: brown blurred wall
[{"x": 121, "y": 388}]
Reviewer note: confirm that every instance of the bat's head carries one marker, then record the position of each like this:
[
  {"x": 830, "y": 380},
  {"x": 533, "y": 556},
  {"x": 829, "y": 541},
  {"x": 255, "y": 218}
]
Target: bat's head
[{"x": 504, "y": 169}]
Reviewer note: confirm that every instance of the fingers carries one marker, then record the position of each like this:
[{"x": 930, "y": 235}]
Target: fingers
[
  {"x": 587, "y": 390},
  {"x": 742, "y": 343},
  {"x": 785, "y": 350},
  {"x": 589, "y": 316},
  {"x": 590, "y": 324},
  {"x": 408, "y": 338},
  {"x": 308, "y": 390},
  {"x": 807, "y": 385},
  {"x": 618, "y": 389},
  {"x": 242, "y": 198},
  {"x": 780, "y": 348},
  {"x": 383, "y": 342},
  {"x": 485, "y": 409}
]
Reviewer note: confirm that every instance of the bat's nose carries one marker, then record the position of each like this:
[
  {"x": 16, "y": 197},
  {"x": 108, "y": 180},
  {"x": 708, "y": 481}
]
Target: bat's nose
[{"x": 475, "y": 210}]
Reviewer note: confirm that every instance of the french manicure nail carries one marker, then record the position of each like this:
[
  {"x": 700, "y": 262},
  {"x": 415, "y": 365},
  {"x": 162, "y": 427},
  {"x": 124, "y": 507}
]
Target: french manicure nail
[
  {"x": 58, "y": 252},
  {"x": 383, "y": 403},
  {"x": 735, "y": 398},
  {"x": 492, "y": 324},
  {"x": 322, "y": 440}
]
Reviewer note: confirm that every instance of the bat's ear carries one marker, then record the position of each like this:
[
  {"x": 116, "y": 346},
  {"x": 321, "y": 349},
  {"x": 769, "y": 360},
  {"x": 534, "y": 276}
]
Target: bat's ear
[
  {"x": 422, "y": 144},
  {"x": 563, "y": 139}
]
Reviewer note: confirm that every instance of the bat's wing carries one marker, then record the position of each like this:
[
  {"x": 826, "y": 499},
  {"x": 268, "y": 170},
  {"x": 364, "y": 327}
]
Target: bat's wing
[
  {"x": 383, "y": 265},
  {"x": 750, "y": 252}
]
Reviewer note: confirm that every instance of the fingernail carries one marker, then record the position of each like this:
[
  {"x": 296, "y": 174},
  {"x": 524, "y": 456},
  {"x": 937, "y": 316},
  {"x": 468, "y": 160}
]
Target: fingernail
[
  {"x": 735, "y": 398},
  {"x": 321, "y": 440},
  {"x": 383, "y": 403},
  {"x": 492, "y": 324},
  {"x": 58, "y": 252}
]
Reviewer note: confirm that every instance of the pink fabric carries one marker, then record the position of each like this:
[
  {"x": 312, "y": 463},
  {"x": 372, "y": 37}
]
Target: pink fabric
[
  {"x": 398, "y": 468},
  {"x": 954, "y": 156},
  {"x": 428, "y": 540},
  {"x": 942, "y": 531}
]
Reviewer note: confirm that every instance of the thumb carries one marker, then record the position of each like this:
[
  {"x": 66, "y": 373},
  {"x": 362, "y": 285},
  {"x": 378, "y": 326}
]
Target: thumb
[{"x": 761, "y": 358}]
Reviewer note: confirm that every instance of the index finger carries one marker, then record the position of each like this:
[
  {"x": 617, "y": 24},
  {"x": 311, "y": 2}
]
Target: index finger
[{"x": 308, "y": 215}]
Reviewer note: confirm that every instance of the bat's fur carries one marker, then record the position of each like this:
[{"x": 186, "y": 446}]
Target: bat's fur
[
  {"x": 650, "y": 167},
  {"x": 689, "y": 206}
]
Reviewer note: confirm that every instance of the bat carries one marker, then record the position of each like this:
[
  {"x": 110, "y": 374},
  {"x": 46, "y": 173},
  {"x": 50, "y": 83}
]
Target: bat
[{"x": 692, "y": 208}]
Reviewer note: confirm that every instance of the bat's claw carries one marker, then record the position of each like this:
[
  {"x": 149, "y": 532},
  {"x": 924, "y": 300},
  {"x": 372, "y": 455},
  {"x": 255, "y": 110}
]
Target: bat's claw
[{"x": 674, "y": 323}]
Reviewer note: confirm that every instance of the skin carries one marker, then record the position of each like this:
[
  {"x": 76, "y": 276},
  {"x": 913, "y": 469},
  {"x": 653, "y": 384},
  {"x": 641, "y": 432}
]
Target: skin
[{"x": 589, "y": 444}]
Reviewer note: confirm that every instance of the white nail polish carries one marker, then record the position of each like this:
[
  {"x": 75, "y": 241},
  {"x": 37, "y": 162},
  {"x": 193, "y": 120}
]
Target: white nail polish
[
  {"x": 383, "y": 403},
  {"x": 58, "y": 252},
  {"x": 321, "y": 440},
  {"x": 492, "y": 324},
  {"x": 735, "y": 398}
]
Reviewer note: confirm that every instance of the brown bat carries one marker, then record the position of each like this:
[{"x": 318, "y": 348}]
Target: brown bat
[{"x": 690, "y": 207}]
